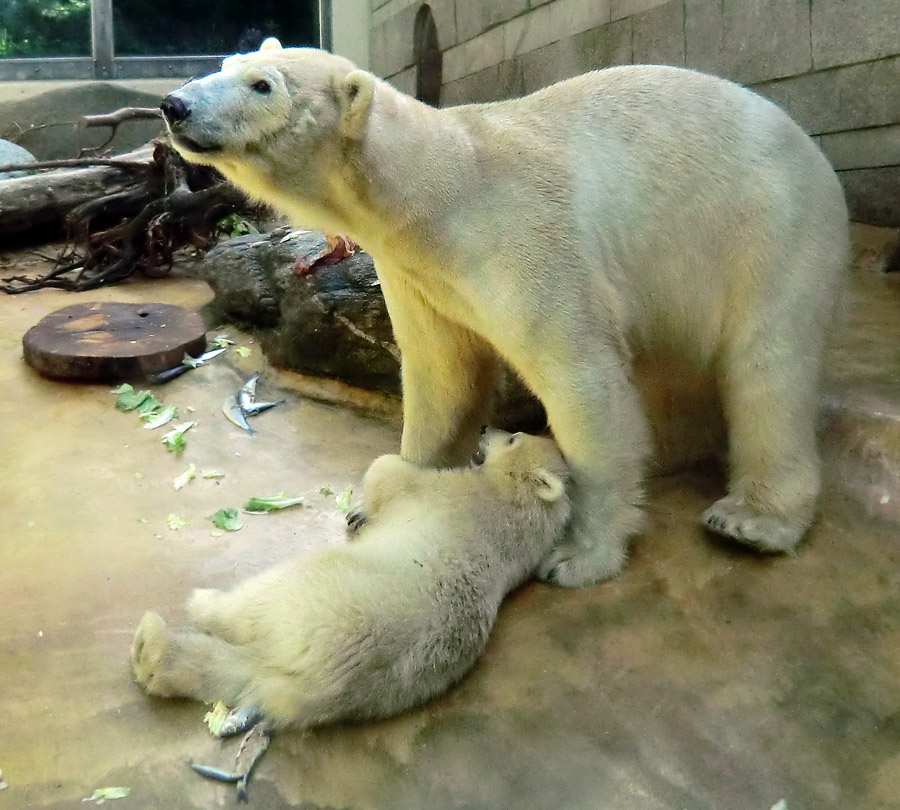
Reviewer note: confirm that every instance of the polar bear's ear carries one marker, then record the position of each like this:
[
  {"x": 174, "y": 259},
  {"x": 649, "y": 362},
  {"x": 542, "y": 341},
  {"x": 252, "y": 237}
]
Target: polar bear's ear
[
  {"x": 354, "y": 94},
  {"x": 270, "y": 44},
  {"x": 549, "y": 485}
]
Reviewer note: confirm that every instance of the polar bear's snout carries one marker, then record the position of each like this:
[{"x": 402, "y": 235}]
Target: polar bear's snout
[
  {"x": 174, "y": 109},
  {"x": 189, "y": 122}
]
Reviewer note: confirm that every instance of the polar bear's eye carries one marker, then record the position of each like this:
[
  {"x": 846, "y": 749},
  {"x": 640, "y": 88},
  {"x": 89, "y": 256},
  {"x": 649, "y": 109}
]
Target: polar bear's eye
[
  {"x": 262, "y": 86},
  {"x": 512, "y": 439}
]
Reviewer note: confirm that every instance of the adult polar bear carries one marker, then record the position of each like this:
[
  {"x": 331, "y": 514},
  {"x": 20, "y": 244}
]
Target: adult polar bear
[{"x": 638, "y": 211}]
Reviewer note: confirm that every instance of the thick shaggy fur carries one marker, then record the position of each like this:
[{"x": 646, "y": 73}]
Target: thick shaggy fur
[
  {"x": 381, "y": 624},
  {"x": 640, "y": 216}
]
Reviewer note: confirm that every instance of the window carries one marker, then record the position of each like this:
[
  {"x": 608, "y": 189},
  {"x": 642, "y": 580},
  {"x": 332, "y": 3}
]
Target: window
[{"x": 129, "y": 39}]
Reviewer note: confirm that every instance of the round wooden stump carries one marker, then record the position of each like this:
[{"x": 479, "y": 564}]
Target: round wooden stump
[{"x": 113, "y": 342}]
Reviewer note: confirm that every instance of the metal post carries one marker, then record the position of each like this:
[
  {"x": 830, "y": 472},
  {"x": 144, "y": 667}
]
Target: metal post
[
  {"x": 325, "y": 39},
  {"x": 102, "y": 39}
]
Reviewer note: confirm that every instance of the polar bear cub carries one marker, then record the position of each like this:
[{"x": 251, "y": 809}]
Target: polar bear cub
[
  {"x": 639, "y": 217},
  {"x": 384, "y": 623}
]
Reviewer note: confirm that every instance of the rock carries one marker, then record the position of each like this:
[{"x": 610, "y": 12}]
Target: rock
[
  {"x": 63, "y": 108},
  {"x": 330, "y": 322},
  {"x": 13, "y": 153}
]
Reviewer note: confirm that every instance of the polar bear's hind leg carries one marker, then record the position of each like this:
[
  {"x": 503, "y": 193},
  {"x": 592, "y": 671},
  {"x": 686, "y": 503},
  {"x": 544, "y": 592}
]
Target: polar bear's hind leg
[
  {"x": 769, "y": 379},
  {"x": 193, "y": 665}
]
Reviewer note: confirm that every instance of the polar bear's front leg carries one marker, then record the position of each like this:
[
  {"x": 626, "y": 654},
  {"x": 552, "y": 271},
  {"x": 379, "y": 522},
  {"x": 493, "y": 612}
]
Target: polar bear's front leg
[
  {"x": 449, "y": 379},
  {"x": 599, "y": 424}
]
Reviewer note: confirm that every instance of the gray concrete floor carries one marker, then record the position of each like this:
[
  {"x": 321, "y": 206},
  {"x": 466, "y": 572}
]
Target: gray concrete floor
[{"x": 705, "y": 678}]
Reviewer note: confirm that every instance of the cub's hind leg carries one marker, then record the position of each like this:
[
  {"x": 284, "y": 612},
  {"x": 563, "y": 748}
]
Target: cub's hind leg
[
  {"x": 192, "y": 665},
  {"x": 218, "y": 613}
]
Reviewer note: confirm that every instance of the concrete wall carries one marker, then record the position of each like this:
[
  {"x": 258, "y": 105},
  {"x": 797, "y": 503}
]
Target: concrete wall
[
  {"x": 833, "y": 64},
  {"x": 350, "y": 22}
]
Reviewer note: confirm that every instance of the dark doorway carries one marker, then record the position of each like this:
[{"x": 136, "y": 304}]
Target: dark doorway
[{"x": 428, "y": 58}]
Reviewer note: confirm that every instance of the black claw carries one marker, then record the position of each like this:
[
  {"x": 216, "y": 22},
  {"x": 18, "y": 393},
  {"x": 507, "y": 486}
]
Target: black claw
[{"x": 356, "y": 519}]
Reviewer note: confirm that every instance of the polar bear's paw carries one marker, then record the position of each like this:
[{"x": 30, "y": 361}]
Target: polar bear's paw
[
  {"x": 148, "y": 650},
  {"x": 735, "y": 518},
  {"x": 575, "y": 566}
]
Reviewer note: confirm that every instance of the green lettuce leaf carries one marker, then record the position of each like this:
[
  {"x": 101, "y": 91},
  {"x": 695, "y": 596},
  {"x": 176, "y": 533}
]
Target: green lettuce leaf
[{"x": 227, "y": 519}]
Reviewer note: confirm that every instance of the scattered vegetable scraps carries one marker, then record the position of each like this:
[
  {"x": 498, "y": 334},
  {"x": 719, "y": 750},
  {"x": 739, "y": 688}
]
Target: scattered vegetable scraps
[
  {"x": 343, "y": 500},
  {"x": 242, "y": 351},
  {"x": 175, "y": 522},
  {"x": 222, "y": 342},
  {"x": 128, "y": 399},
  {"x": 101, "y": 795},
  {"x": 174, "y": 439},
  {"x": 280, "y": 501},
  {"x": 227, "y": 519},
  {"x": 182, "y": 480},
  {"x": 149, "y": 407},
  {"x": 161, "y": 417},
  {"x": 215, "y": 718}
]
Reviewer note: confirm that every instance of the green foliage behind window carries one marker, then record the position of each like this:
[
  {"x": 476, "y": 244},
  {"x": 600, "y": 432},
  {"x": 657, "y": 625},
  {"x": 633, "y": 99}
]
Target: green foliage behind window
[
  {"x": 35, "y": 28},
  {"x": 45, "y": 28}
]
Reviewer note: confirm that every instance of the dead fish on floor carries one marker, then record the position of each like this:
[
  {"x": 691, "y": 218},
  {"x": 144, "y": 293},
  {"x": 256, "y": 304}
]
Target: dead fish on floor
[
  {"x": 252, "y": 747},
  {"x": 177, "y": 371},
  {"x": 238, "y": 407}
]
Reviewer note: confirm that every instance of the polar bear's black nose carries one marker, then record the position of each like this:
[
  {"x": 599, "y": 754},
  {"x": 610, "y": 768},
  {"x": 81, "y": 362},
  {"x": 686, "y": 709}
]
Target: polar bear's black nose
[{"x": 174, "y": 109}]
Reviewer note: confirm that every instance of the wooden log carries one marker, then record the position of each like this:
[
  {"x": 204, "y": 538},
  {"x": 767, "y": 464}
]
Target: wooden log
[
  {"x": 110, "y": 342},
  {"x": 330, "y": 321},
  {"x": 35, "y": 208}
]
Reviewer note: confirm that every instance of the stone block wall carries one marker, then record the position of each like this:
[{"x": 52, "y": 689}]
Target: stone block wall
[{"x": 834, "y": 65}]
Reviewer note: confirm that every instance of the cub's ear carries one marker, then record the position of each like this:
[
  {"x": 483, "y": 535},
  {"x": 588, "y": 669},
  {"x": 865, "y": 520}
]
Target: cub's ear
[
  {"x": 354, "y": 94},
  {"x": 270, "y": 44},
  {"x": 550, "y": 486}
]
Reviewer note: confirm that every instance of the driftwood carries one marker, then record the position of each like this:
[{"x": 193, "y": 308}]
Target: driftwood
[
  {"x": 112, "y": 120},
  {"x": 120, "y": 215},
  {"x": 35, "y": 207}
]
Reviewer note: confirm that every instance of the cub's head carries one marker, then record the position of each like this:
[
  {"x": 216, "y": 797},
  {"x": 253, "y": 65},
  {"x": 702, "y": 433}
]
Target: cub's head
[
  {"x": 524, "y": 465},
  {"x": 267, "y": 110}
]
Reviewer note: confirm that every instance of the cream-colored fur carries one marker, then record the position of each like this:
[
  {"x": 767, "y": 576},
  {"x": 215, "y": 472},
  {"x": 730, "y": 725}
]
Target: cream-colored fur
[
  {"x": 641, "y": 215},
  {"x": 385, "y": 622}
]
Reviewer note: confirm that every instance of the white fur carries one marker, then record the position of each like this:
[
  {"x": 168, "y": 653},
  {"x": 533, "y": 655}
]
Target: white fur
[
  {"x": 381, "y": 624},
  {"x": 641, "y": 217}
]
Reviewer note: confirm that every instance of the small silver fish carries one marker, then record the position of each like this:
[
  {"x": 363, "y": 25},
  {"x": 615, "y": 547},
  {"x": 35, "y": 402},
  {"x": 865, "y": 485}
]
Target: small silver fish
[
  {"x": 237, "y": 408},
  {"x": 255, "y": 408},
  {"x": 234, "y": 414},
  {"x": 247, "y": 395}
]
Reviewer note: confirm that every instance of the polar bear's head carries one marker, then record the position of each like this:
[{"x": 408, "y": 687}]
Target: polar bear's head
[
  {"x": 528, "y": 465},
  {"x": 275, "y": 111}
]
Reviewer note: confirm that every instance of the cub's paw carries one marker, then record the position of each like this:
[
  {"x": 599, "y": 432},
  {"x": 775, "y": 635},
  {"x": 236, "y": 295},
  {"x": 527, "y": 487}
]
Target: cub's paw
[
  {"x": 356, "y": 519},
  {"x": 574, "y": 566},
  {"x": 733, "y": 517},
  {"x": 148, "y": 650}
]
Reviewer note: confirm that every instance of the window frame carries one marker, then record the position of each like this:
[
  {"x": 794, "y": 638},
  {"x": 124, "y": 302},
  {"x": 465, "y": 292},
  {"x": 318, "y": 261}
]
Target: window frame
[{"x": 104, "y": 65}]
